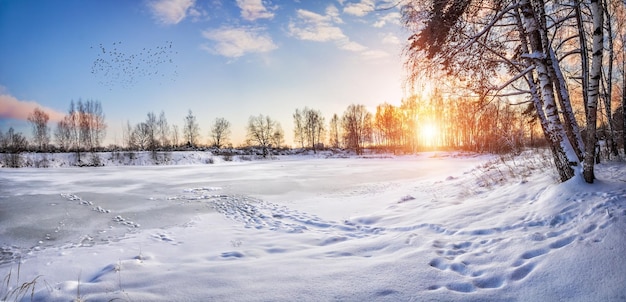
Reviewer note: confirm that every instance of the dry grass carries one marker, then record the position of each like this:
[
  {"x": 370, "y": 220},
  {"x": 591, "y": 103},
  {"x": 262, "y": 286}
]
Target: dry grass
[{"x": 12, "y": 290}]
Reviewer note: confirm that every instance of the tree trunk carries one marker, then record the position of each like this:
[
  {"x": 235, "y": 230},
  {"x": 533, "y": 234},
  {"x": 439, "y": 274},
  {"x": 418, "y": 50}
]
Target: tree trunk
[
  {"x": 562, "y": 149},
  {"x": 584, "y": 54},
  {"x": 594, "y": 90},
  {"x": 610, "y": 137},
  {"x": 623, "y": 74},
  {"x": 624, "y": 105},
  {"x": 571, "y": 125}
]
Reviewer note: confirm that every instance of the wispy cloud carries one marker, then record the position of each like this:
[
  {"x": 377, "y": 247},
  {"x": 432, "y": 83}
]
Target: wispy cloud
[
  {"x": 234, "y": 42},
  {"x": 170, "y": 12},
  {"x": 11, "y": 107},
  {"x": 315, "y": 27},
  {"x": 312, "y": 26},
  {"x": 374, "y": 54},
  {"x": 390, "y": 18},
  {"x": 254, "y": 9},
  {"x": 333, "y": 12},
  {"x": 352, "y": 46},
  {"x": 360, "y": 8},
  {"x": 391, "y": 39}
]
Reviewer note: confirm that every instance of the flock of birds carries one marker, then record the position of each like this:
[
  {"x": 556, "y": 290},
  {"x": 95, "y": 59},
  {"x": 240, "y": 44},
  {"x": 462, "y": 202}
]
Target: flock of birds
[{"x": 115, "y": 67}]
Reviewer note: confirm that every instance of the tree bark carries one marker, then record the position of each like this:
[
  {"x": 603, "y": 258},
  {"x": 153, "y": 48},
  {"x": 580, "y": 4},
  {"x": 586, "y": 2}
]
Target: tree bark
[
  {"x": 571, "y": 125},
  {"x": 610, "y": 137},
  {"x": 594, "y": 90},
  {"x": 565, "y": 157},
  {"x": 584, "y": 54}
]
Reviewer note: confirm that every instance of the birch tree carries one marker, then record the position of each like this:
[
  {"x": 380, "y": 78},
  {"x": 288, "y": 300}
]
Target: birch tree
[
  {"x": 516, "y": 42},
  {"x": 191, "y": 130},
  {"x": 220, "y": 131},
  {"x": 163, "y": 131},
  {"x": 594, "y": 89},
  {"x": 150, "y": 131},
  {"x": 63, "y": 134},
  {"x": 130, "y": 137},
  {"x": 41, "y": 132},
  {"x": 299, "y": 135},
  {"x": 333, "y": 131},
  {"x": 175, "y": 136},
  {"x": 264, "y": 132},
  {"x": 357, "y": 127}
]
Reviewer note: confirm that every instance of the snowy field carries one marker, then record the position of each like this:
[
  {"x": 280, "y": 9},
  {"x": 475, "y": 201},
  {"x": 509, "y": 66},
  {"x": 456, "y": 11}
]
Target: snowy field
[{"x": 415, "y": 228}]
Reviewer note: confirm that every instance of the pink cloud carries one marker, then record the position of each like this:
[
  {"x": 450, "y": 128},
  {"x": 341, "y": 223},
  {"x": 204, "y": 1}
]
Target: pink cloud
[{"x": 11, "y": 107}]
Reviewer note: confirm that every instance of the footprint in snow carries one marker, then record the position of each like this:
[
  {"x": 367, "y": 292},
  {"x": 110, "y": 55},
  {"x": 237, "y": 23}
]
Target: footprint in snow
[
  {"x": 165, "y": 238},
  {"x": 467, "y": 257}
]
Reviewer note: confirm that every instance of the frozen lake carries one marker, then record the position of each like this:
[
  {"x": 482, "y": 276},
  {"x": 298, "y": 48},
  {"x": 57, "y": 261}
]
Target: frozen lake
[{"x": 81, "y": 204}]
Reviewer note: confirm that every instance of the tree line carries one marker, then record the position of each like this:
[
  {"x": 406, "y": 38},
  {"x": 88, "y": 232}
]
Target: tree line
[{"x": 462, "y": 124}]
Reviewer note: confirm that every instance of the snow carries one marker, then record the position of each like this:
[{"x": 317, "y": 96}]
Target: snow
[{"x": 433, "y": 227}]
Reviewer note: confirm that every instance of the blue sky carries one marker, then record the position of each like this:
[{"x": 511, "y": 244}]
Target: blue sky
[{"x": 230, "y": 59}]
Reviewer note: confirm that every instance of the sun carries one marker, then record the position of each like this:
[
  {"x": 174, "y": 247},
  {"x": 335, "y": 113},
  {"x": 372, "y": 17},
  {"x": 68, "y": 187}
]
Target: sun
[{"x": 428, "y": 134}]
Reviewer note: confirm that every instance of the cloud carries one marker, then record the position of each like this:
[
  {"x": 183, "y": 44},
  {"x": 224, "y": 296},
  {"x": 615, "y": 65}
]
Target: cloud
[
  {"x": 315, "y": 27},
  {"x": 352, "y": 46},
  {"x": 360, "y": 8},
  {"x": 333, "y": 12},
  {"x": 170, "y": 12},
  {"x": 11, "y": 107},
  {"x": 254, "y": 9},
  {"x": 235, "y": 42},
  {"x": 312, "y": 26},
  {"x": 391, "y": 39},
  {"x": 392, "y": 18},
  {"x": 374, "y": 54}
]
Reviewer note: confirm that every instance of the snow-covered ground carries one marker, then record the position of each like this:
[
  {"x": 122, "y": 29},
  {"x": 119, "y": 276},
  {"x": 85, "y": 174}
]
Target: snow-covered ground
[{"x": 415, "y": 228}]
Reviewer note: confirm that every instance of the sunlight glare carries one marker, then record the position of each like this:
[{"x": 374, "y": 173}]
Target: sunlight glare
[{"x": 428, "y": 133}]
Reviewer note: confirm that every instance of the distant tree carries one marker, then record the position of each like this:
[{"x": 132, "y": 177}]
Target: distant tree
[
  {"x": 388, "y": 123},
  {"x": 314, "y": 127},
  {"x": 278, "y": 137},
  {"x": 41, "y": 132},
  {"x": 63, "y": 133},
  {"x": 357, "y": 127},
  {"x": 130, "y": 139},
  {"x": 191, "y": 130},
  {"x": 163, "y": 131},
  {"x": 263, "y": 131},
  {"x": 175, "y": 136},
  {"x": 220, "y": 131},
  {"x": 333, "y": 131},
  {"x": 3, "y": 142},
  {"x": 308, "y": 127},
  {"x": 13, "y": 144},
  {"x": 150, "y": 132},
  {"x": 72, "y": 124},
  {"x": 87, "y": 125},
  {"x": 142, "y": 136},
  {"x": 298, "y": 128},
  {"x": 409, "y": 111}
]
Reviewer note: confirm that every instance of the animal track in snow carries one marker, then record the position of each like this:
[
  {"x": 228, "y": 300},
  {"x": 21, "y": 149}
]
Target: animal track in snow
[
  {"x": 164, "y": 238},
  {"x": 121, "y": 220},
  {"x": 465, "y": 253},
  {"x": 471, "y": 257},
  {"x": 73, "y": 197}
]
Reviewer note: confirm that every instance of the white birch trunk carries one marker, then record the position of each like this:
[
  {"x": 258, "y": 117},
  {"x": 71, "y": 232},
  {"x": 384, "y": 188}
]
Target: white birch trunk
[
  {"x": 584, "y": 54},
  {"x": 571, "y": 125},
  {"x": 565, "y": 156},
  {"x": 611, "y": 144},
  {"x": 594, "y": 90}
]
